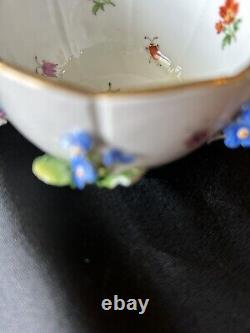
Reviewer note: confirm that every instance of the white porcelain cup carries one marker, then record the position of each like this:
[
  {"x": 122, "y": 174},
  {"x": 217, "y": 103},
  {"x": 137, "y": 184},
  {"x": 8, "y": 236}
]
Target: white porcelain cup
[{"x": 95, "y": 66}]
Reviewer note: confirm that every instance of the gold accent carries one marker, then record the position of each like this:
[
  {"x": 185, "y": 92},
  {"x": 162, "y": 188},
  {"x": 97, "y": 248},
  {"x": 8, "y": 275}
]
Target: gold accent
[{"x": 38, "y": 82}]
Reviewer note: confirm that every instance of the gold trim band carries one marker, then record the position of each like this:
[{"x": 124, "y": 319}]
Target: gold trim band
[{"x": 36, "y": 81}]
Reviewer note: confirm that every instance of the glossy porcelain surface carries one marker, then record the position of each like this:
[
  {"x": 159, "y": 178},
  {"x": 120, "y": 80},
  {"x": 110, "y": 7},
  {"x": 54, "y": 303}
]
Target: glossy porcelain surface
[{"x": 146, "y": 75}]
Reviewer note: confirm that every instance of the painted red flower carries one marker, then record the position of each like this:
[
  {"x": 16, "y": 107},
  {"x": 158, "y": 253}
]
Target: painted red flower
[
  {"x": 219, "y": 26},
  {"x": 228, "y": 24},
  {"x": 229, "y": 11}
]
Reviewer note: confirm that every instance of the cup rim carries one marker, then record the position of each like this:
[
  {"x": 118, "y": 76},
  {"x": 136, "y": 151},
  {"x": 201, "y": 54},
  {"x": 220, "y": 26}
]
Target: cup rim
[{"x": 31, "y": 79}]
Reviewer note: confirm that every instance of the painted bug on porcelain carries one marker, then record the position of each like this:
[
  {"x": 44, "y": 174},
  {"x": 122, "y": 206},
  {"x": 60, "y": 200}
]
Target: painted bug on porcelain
[
  {"x": 155, "y": 53},
  {"x": 154, "y": 50}
]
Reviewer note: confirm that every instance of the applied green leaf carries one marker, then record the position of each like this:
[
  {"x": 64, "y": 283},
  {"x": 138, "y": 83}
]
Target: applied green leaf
[
  {"x": 125, "y": 178},
  {"x": 52, "y": 171}
]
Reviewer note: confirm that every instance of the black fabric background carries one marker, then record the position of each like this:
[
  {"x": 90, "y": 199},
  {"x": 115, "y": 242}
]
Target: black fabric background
[{"x": 179, "y": 237}]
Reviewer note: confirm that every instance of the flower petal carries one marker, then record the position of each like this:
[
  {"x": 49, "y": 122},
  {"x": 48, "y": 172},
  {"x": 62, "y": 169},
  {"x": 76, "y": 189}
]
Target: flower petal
[
  {"x": 79, "y": 139},
  {"x": 231, "y": 128},
  {"x": 49, "y": 65},
  {"x": 244, "y": 119},
  {"x": 91, "y": 174},
  {"x": 116, "y": 156},
  {"x": 231, "y": 139},
  {"x": 83, "y": 172},
  {"x": 245, "y": 143},
  {"x": 232, "y": 142}
]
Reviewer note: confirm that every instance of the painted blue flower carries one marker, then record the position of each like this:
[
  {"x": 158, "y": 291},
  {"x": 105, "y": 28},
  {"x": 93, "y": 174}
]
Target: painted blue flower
[
  {"x": 83, "y": 172},
  {"x": 115, "y": 156},
  {"x": 238, "y": 133},
  {"x": 79, "y": 139}
]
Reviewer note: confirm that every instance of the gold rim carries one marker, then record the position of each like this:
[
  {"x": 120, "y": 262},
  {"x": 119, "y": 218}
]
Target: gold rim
[{"x": 35, "y": 81}]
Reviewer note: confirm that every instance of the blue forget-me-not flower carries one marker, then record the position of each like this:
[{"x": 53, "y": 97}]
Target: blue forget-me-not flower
[
  {"x": 83, "y": 172},
  {"x": 238, "y": 133}
]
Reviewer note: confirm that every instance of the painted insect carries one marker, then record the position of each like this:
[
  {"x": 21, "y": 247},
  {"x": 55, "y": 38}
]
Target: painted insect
[
  {"x": 155, "y": 54},
  {"x": 154, "y": 51},
  {"x": 111, "y": 90}
]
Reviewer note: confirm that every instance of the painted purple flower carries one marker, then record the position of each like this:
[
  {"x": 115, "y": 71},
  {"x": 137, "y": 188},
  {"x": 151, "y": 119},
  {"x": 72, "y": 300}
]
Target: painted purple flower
[
  {"x": 83, "y": 172},
  {"x": 3, "y": 120},
  {"x": 2, "y": 113},
  {"x": 78, "y": 142},
  {"x": 47, "y": 68},
  {"x": 115, "y": 156},
  {"x": 238, "y": 133}
]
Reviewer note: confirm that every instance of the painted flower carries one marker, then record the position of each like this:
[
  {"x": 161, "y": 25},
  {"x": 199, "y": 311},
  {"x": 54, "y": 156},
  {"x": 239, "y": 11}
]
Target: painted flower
[
  {"x": 238, "y": 133},
  {"x": 78, "y": 142},
  {"x": 219, "y": 27},
  {"x": 83, "y": 172},
  {"x": 46, "y": 68},
  {"x": 3, "y": 120},
  {"x": 229, "y": 11},
  {"x": 197, "y": 139},
  {"x": 228, "y": 24},
  {"x": 115, "y": 156}
]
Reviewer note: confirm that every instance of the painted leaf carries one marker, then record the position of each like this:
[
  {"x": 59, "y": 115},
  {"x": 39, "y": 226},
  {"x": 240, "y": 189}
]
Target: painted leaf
[
  {"x": 100, "y": 5},
  {"x": 52, "y": 171},
  {"x": 111, "y": 3},
  {"x": 226, "y": 41},
  {"x": 237, "y": 25},
  {"x": 95, "y": 8}
]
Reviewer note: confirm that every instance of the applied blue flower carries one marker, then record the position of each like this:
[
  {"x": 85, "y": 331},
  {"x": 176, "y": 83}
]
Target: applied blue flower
[
  {"x": 83, "y": 172},
  {"x": 238, "y": 133},
  {"x": 79, "y": 139},
  {"x": 116, "y": 156}
]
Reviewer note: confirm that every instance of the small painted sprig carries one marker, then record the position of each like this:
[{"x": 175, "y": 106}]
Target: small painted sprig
[
  {"x": 230, "y": 33},
  {"x": 100, "y": 5},
  {"x": 229, "y": 24}
]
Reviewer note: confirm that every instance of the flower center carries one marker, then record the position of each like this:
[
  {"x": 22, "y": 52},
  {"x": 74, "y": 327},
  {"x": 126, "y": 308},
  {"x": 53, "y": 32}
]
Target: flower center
[
  {"x": 243, "y": 133},
  {"x": 75, "y": 150},
  {"x": 80, "y": 172}
]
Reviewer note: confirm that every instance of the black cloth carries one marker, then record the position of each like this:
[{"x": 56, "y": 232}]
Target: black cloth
[{"x": 180, "y": 237}]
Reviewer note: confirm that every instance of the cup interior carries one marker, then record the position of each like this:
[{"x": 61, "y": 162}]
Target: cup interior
[{"x": 106, "y": 45}]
